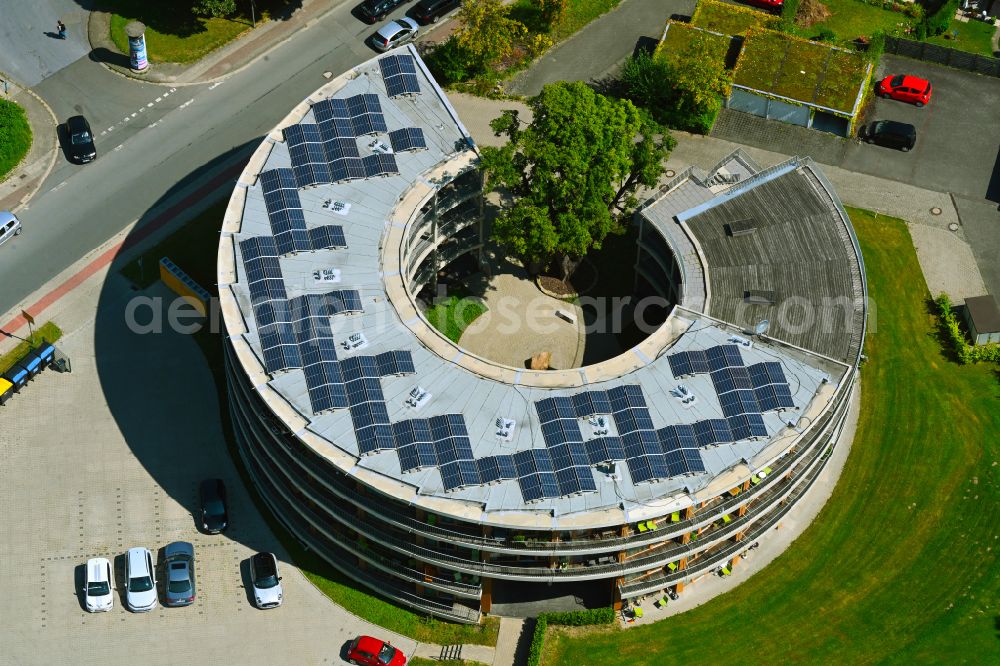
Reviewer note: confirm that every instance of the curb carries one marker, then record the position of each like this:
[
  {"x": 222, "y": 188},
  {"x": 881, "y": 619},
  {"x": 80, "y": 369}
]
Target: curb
[{"x": 52, "y": 157}]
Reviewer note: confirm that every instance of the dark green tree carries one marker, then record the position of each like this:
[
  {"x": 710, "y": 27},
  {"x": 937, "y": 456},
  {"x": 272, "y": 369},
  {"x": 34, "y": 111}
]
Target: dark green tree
[
  {"x": 573, "y": 172},
  {"x": 215, "y": 8}
]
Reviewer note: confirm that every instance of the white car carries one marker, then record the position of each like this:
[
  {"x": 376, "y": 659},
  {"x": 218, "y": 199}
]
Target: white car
[
  {"x": 10, "y": 226},
  {"x": 140, "y": 588},
  {"x": 266, "y": 581},
  {"x": 98, "y": 585}
]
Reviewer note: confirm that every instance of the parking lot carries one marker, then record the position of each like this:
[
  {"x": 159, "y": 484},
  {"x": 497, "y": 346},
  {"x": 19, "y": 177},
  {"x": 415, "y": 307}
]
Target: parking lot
[{"x": 109, "y": 457}]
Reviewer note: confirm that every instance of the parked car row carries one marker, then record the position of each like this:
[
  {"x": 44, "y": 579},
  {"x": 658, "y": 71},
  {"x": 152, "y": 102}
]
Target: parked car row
[
  {"x": 404, "y": 29},
  {"x": 891, "y": 133},
  {"x": 178, "y": 566}
]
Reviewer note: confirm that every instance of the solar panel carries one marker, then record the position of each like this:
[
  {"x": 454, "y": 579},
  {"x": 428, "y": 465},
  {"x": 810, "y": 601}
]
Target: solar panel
[
  {"x": 460, "y": 474},
  {"x": 408, "y": 138},
  {"x": 591, "y": 403},
  {"x": 535, "y": 475},
  {"x": 284, "y": 210},
  {"x": 260, "y": 261},
  {"x": 712, "y": 432},
  {"x": 604, "y": 449},
  {"x": 344, "y": 300},
  {"x": 395, "y": 363},
  {"x": 309, "y": 160},
  {"x": 626, "y": 396},
  {"x": 680, "y": 364},
  {"x": 747, "y": 426},
  {"x": 327, "y": 237},
  {"x": 379, "y": 164},
  {"x": 699, "y": 361},
  {"x": 337, "y": 147},
  {"x": 724, "y": 356},
  {"x": 575, "y": 481},
  {"x": 399, "y": 74}
]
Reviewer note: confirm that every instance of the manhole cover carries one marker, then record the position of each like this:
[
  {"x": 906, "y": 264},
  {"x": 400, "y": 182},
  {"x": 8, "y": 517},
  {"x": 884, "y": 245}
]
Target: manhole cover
[
  {"x": 935, "y": 211},
  {"x": 669, "y": 173},
  {"x": 953, "y": 226}
]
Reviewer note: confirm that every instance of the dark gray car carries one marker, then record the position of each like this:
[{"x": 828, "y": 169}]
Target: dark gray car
[
  {"x": 891, "y": 134},
  {"x": 180, "y": 585}
]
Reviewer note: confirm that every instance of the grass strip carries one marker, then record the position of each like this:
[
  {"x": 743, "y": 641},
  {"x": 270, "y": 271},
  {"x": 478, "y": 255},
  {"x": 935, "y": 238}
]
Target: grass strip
[
  {"x": 900, "y": 565},
  {"x": 47, "y": 332}
]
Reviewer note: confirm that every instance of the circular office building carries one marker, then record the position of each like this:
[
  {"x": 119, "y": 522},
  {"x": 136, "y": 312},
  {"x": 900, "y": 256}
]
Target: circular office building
[{"x": 455, "y": 485}]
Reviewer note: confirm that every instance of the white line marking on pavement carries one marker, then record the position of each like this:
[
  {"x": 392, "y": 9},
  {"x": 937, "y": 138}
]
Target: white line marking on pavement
[
  {"x": 134, "y": 115},
  {"x": 149, "y": 104},
  {"x": 159, "y": 98},
  {"x": 58, "y": 187},
  {"x": 215, "y": 85},
  {"x": 185, "y": 104},
  {"x": 119, "y": 147}
]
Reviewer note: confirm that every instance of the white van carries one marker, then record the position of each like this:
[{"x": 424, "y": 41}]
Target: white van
[{"x": 10, "y": 226}]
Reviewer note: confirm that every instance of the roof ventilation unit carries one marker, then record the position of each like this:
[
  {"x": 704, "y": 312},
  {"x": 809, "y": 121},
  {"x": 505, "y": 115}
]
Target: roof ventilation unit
[
  {"x": 760, "y": 297},
  {"x": 338, "y": 207},
  {"x": 599, "y": 426},
  {"x": 418, "y": 398},
  {"x": 355, "y": 342},
  {"x": 505, "y": 429},
  {"x": 684, "y": 396},
  {"x": 740, "y": 228}
]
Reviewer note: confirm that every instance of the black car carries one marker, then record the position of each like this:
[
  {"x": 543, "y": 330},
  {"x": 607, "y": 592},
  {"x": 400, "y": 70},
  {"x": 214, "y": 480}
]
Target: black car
[
  {"x": 891, "y": 134},
  {"x": 376, "y": 10},
  {"x": 214, "y": 514},
  {"x": 81, "y": 140},
  {"x": 429, "y": 11}
]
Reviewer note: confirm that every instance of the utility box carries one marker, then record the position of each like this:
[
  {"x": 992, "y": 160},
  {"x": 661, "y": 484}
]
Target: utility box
[{"x": 983, "y": 319}]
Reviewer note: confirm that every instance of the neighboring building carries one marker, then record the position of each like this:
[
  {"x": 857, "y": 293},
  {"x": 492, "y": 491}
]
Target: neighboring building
[
  {"x": 455, "y": 485},
  {"x": 778, "y": 76},
  {"x": 983, "y": 318}
]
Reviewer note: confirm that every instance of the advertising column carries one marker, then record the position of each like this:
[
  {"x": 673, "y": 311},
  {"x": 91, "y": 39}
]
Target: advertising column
[{"x": 136, "y": 32}]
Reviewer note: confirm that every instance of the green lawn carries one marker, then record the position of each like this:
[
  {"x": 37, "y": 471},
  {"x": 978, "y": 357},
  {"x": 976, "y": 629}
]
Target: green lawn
[
  {"x": 901, "y": 565},
  {"x": 851, "y": 19},
  {"x": 48, "y": 332},
  {"x": 973, "y": 37},
  {"x": 15, "y": 136},
  {"x": 578, "y": 14},
  {"x": 175, "y": 34},
  {"x": 453, "y": 315}
]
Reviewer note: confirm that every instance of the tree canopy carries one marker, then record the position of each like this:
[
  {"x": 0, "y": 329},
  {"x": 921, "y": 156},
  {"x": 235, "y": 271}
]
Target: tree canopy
[
  {"x": 488, "y": 34},
  {"x": 573, "y": 172}
]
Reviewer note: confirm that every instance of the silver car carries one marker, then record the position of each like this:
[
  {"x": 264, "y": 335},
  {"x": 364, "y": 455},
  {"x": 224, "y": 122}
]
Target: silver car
[
  {"x": 266, "y": 582},
  {"x": 10, "y": 226},
  {"x": 395, "y": 32}
]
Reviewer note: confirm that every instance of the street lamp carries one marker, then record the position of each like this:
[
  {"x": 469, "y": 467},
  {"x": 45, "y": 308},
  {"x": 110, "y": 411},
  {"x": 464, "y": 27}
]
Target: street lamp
[{"x": 253, "y": 13}]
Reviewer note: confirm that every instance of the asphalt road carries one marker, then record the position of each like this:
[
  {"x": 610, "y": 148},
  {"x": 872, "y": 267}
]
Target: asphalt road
[
  {"x": 31, "y": 50},
  {"x": 176, "y": 139}
]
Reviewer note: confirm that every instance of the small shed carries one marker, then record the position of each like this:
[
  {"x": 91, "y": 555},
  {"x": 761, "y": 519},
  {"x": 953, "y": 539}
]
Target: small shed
[{"x": 983, "y": 318}]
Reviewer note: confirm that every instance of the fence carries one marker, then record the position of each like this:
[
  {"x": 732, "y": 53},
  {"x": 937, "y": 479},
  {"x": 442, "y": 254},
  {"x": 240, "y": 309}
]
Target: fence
[{"x": 943, "y": 55}]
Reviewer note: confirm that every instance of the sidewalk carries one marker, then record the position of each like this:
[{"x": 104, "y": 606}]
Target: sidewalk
[{"x": 22, "y": 183}]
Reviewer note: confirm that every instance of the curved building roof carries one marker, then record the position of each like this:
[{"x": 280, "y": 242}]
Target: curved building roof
[{"x": 310, "y": 257}]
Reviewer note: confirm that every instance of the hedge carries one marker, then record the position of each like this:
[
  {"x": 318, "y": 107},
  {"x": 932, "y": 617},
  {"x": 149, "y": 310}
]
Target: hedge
[
  {"x": 964, "y": 352},
  {"x": 569, "y": 618},
  {"x": 939, "y": 21}
]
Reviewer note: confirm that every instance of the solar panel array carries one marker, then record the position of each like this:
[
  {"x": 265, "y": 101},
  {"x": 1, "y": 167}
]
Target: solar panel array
[
  {"x": 400, "y": 75},
  {"x": 288, "y": 224},
  {"x": 744, "y": 392},
  {"x": 408, "y": 138}
]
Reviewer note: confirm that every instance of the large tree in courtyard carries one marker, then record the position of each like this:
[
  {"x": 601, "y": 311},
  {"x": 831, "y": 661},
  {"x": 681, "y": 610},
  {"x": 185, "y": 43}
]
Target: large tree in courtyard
[{"x": 573, "y": 172}]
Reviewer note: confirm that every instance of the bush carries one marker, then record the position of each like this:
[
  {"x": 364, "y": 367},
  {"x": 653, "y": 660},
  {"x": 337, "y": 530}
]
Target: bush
[
  {"x": 939, "y": 21},
  {"x": 825, "y": 35},
  {"x": 645, "y": 82},
  {"x": 216, "y": 8},
  {"x": 571, "y": 619},
  {"x": 876, "y": 46},
  {"x": 964, "y": 352},
  {"x": 451, "y": 63}
]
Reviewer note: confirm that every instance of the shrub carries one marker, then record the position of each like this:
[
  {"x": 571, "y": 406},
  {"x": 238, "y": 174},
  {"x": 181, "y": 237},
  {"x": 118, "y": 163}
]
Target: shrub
[
  {"x": 451, "y": 63},
  {"x": 964, "y": 352},
  {"x": 876, "y": 46},
  {"x": 940, "y": 20},
  {"x": 825, "y": 35},
  {"x": 216, "y": 8}
]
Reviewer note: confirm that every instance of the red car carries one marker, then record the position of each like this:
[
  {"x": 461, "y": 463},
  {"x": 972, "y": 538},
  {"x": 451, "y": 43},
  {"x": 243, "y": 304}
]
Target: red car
[
  {"x": 373, "y": 652},
  {"x": 774, "y": 5},
  {"x": 906, "y": 88}
]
